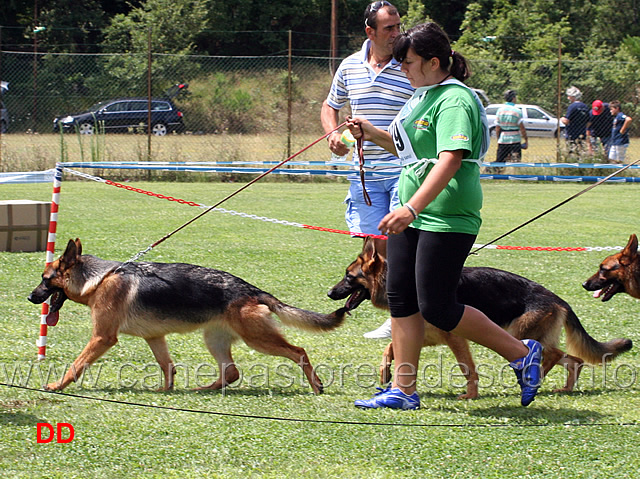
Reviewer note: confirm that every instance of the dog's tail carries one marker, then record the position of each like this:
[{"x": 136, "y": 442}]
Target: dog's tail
[
  {"x": 581, "y": 344},
  {"x": 304, "y": 319}
]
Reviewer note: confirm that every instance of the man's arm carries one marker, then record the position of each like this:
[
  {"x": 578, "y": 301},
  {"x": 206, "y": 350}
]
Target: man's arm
[
  {"x": 329, "y": 118},
  {"x": 625, "y": 125},
  {"x": 523, "y": 134}
]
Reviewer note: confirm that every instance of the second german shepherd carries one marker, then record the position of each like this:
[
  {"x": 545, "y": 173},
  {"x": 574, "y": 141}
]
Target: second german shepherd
[
  {"x": 522, "y": 307},
  {"x": 618, "y": 273},
  {"x": 151, "y": 300}
]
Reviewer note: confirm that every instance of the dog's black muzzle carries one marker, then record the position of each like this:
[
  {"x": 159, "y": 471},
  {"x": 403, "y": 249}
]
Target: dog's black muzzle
[
  {"x": 355, "y": 292},
  {"x": 41, "y": 293}
]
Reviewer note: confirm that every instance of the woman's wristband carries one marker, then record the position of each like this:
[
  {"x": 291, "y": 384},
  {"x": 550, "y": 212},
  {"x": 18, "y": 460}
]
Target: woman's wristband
[{"x": 411, "y": 210}]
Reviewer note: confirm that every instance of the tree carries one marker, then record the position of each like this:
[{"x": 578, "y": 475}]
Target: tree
[
  {"x": 171, "y": 26},
  {"x": 514, "y": 45},
  {"x": 415, "y": 15}
]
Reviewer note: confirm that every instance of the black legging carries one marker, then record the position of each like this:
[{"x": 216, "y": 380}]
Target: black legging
[{"x": 423, "y": 273}]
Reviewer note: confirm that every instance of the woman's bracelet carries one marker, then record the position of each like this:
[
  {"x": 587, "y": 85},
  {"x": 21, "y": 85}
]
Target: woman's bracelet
[{"x": 412, "y": 210}]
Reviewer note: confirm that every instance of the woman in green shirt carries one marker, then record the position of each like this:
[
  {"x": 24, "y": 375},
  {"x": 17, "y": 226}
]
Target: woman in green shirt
[{"x": 441, "y": 136}]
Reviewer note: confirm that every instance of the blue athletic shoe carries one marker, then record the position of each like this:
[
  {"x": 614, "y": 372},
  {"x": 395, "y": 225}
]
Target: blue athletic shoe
[
  {"x": 392, "y": 398},
  {"x": 528, "y": 371}
]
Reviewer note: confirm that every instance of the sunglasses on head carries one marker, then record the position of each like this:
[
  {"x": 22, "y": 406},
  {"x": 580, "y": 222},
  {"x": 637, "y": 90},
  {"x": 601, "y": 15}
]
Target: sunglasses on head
[{"x": 374, "y": 7}]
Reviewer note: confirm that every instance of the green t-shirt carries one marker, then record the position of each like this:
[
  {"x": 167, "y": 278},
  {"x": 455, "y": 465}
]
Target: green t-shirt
[{"x": 446, "y": 118}]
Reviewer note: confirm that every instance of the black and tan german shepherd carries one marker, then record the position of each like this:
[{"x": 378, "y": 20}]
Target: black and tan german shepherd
[
  {"x": 151, "y": 300},
  {"x": 618, "y": 273},
  {"x": 522, "y": 307}
]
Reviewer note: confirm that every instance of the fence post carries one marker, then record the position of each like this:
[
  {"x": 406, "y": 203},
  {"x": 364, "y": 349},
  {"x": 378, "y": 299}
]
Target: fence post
[
  {"x": 1, "y": 95},
  {"x": 34, "y": 113},
  {"x": 289, "y": 101},
  {"x": 559, "y": 101},
  {"x": 149, "y": 95},
  {"x": 334, "y": 37}
]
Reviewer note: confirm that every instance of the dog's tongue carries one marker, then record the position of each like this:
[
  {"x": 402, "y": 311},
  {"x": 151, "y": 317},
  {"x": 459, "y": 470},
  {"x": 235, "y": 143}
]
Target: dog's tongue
[
  {"x": 598, "y": 293},
  {"x": 52, "y": 318}
]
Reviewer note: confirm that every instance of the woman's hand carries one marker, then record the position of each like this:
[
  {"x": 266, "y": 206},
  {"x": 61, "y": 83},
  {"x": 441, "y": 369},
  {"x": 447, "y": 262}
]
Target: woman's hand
[
  {"x": 358, "y": 126},
  {"x": 396, "y": 221},
  {"x": 362, "y": 128}
]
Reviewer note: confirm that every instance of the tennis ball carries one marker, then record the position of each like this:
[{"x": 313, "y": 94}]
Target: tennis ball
[{"x": 347, "y": 138}]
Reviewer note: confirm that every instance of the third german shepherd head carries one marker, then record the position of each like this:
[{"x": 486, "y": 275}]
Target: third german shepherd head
[
  {"x": 366, "y": 278},
  {"x": 618, "y": 273}
]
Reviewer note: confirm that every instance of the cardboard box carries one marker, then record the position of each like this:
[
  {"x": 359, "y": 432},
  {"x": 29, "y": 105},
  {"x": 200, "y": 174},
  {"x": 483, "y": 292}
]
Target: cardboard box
[{"x": 24, "y": 225}]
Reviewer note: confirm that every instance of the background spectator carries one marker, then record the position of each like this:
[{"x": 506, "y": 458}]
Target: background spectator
[
  {"x": 599, "y": 127},
  {"x": 619, "y": 133}
]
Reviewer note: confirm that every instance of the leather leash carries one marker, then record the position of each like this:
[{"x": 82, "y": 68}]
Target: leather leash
[{"x": 359, "y": 145}]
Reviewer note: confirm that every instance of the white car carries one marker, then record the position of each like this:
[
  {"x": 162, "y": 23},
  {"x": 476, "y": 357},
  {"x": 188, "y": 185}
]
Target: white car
[{"x": 537, "y": 120}]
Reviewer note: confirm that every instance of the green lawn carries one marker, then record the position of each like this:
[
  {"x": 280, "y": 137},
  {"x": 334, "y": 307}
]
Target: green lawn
[{"x": 593, "y": 432}]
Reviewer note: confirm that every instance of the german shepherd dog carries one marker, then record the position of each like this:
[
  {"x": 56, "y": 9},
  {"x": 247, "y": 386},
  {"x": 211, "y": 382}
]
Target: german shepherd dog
[
  {"x": 618, "y": 273},
  {"x": 520, "y": 306},
  {"x": 151, "y": 300}
]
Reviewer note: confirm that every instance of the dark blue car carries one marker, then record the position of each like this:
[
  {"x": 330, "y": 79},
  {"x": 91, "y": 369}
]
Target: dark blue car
[{"x": 127, "y": 114}]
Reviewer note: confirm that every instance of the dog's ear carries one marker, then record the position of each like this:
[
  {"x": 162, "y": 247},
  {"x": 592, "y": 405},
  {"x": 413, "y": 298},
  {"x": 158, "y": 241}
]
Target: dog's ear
[
  {"x": 369, "y": 246},
  {"x": 373, "y": 263},
  {"x": 630, "y": 252},
  {"x": 72, "y": 252}
]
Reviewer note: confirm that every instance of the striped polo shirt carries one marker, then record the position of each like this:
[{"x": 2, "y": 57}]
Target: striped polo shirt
[
  {"x": 509, "y": 117},
  {"x": 377, "y": 97}
]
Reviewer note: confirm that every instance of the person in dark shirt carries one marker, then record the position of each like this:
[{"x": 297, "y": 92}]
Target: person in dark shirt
[
  {"x": 599, "y": 128},
  {"x": 619, "y": 133},
  {"x": 575, "y": 120}
]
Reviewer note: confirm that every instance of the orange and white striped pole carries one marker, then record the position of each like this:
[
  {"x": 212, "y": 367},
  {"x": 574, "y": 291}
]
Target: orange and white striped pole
[{"x": 51, "y": 245}]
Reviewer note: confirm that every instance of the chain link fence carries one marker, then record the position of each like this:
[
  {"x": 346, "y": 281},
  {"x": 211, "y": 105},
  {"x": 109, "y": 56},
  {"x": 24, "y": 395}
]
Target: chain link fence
[{"x": 258, "y": 109}]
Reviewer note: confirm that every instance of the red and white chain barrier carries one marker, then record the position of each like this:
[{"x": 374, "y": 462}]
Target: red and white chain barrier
[{"x": 320, "y": 228}]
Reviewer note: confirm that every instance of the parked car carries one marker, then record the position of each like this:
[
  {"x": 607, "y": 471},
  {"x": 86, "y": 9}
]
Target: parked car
[
  {"x": 4, "y": 114},
  {"x": 537, "y": 120},
  {"x": 124, "y": 114}
]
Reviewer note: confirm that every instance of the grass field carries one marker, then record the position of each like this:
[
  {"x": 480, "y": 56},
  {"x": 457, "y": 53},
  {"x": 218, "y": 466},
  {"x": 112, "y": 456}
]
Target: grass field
[{"x": 271, "y": 425}]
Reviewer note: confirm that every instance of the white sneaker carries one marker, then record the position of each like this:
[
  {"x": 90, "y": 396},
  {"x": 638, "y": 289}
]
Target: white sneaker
[{"x": 383, "y": 332}]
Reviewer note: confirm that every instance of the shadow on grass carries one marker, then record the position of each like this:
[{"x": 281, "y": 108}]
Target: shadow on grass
[
  {"x": 11, "y": 414},
  {"x": 17, "y": 419},
  {"x": 540, "y": 415},
  {"x": 545, "y": 409},
  {"x": 188, "y": 393}
]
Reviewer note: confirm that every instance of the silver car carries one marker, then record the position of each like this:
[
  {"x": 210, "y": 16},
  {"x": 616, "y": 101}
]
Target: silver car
[{"x": 537, "y": 120}]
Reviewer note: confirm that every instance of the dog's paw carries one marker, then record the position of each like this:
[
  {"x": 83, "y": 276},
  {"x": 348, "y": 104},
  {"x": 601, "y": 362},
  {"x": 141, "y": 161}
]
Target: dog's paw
[
  {"x": 562, "y": 390},
  {"x": 53, "y": 387},
  {"x": 468, "y": 395}
]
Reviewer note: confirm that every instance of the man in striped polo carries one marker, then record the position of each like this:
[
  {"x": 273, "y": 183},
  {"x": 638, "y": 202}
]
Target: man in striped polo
[
  {"x": 371, "y": 82},
  {"x": 510, "y": 130}
]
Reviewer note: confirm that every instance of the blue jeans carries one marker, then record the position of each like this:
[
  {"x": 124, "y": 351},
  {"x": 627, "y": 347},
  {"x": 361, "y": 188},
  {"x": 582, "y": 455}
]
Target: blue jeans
[{"x": 362, "y": 218}]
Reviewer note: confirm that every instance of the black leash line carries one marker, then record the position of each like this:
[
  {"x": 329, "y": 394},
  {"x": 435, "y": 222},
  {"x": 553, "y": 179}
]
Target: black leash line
[
  {"x": 599, "y": 182},
  {"x": 299, "y": 420}
]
